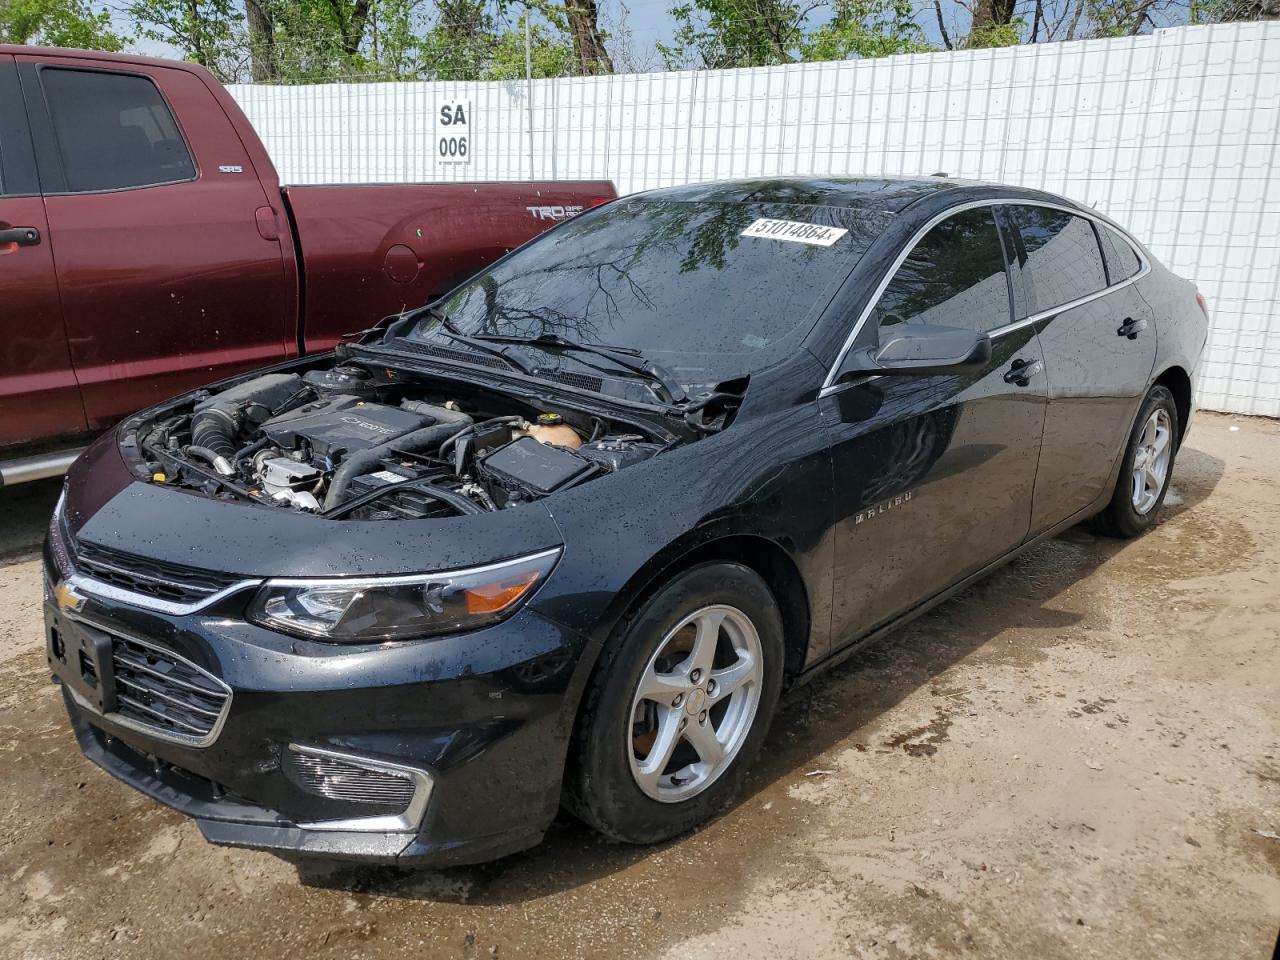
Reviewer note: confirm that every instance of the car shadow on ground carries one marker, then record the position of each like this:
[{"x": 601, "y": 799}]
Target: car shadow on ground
[
  {"x": 811, "y": 719},
  {"x": 24, "y": 515}
]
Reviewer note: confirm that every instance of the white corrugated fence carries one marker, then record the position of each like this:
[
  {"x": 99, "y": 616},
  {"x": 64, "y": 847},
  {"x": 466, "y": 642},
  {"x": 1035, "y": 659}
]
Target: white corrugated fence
[{"x": 1174, "y": 135}]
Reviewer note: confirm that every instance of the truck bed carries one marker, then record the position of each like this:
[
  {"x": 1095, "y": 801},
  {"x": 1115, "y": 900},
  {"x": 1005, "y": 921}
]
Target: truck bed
[{"x": 367, "y": 251}]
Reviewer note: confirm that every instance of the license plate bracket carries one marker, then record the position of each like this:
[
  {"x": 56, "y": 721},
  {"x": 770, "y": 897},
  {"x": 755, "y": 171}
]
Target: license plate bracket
[{"x": 80, "y": 656}]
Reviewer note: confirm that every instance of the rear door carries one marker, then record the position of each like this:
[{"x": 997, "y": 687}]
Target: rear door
[
  {"x": 166, "y": 281},
  {"x": 1099, "y": 342},
  {"x": 39, "y": 398},
  {"x": 934, "y": 475}
]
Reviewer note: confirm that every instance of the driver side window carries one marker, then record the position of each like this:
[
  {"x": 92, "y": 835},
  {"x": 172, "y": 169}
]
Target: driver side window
[{"x": 954, "y": 277}]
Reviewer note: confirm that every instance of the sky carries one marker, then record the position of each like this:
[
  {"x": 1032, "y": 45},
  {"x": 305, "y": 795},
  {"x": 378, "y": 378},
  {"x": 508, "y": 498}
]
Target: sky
[{"x": 650, "y": 20}]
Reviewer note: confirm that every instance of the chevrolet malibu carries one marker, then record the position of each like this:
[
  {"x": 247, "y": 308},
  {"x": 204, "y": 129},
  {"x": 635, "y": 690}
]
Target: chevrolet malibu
[{"x": 561, "y": 537}]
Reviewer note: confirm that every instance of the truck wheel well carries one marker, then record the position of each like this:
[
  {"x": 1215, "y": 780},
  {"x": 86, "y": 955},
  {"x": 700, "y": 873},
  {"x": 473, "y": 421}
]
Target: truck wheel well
[
  {"x": 1179, "y": 384},
  {"x": 777, "y": 570}
]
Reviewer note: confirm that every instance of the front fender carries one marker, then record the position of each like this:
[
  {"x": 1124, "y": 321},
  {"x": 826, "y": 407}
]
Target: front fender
[{"x": 769, "y": 479}]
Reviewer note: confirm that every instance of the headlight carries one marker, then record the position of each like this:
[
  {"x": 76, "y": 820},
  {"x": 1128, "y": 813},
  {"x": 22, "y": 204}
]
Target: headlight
[{"x": 397, "y": 608}]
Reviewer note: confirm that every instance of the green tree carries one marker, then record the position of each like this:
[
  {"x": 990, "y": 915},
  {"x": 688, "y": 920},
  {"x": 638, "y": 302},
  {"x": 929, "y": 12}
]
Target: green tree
[
  {"x": 717, "y": 34},
  {"x": 582, "y": 19},
  {"x": 308, "y": 41},
  {"x": 204, "y": 30},
  {"x": 461, "y": 41},
  {"x": 991, "y": 22},
  {"x": 468, "y": 42},
  {"x": 551, "y": 54},
  {"x": 867, "y": 28},
  {"x": 58, "y": 23}
]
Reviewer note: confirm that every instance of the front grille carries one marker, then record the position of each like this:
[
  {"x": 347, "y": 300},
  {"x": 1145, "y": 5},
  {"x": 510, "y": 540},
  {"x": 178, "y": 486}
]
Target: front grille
[
  {"x": 164, "y": 693},
  {"x": 342, "y": 780},
  {"x": 162, "y": 581}
]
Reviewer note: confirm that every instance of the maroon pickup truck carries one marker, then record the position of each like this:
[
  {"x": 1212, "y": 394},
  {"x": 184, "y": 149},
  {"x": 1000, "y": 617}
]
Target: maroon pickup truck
[{"x": 147, "y": 247}]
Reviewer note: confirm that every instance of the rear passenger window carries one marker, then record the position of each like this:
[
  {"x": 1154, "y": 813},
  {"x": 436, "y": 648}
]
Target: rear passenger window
[
  {"x": 1063, "y": 258},
  {"x": 954, "y": 277},
  {"x": 113, "y": 131},
  {"x": 1122, "y": 261}
]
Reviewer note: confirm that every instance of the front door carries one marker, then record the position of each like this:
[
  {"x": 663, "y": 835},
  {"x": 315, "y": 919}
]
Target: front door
[
  {"x": 1099, "y": 341},
  {"x": 934, "y": 475},
  {"x": 166, "y": 281},
  {"x": 39, "y": 398}
]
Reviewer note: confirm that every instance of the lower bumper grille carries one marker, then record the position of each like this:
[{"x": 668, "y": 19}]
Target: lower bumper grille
[
  {"x": 341, "y": 780},
  {"x": 165, "y": 693},
  {"x": 136, "y": 683}
]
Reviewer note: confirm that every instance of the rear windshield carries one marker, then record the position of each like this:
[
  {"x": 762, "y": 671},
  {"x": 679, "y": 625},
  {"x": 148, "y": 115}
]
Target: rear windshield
[{"x": 709, "y": 290}]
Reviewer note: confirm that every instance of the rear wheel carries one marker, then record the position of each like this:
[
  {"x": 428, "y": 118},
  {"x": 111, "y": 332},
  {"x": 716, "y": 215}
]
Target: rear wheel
[
  {"x": 1145, "y": 471},
  {"x": 678, "y": 706}
]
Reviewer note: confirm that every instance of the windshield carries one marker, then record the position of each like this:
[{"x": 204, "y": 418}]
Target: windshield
[{"x": 703, "y": 289}]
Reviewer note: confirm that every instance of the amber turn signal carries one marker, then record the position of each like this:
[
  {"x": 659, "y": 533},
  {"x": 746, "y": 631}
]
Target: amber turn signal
[{"x": 496, "y": 597}]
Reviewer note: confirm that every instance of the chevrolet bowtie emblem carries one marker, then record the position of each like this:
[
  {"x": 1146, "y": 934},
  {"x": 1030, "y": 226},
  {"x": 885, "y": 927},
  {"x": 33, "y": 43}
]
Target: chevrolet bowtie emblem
[{"x": 66, "y": 597}]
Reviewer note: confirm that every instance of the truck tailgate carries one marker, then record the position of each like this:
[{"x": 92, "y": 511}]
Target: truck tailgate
[{"x": 367, "y": 251}]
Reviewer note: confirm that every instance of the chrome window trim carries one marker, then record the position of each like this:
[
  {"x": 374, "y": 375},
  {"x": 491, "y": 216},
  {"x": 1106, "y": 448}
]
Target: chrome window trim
[
  {"x": 829, "y": 385},
  {"x": 156, "y": 732},
  {"x": 408, "y": 821}
]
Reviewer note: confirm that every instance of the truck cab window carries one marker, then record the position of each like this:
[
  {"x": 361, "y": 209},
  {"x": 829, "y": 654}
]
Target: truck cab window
[
  {"x": 954, "y": 277},
  {"x": 113, "y": 131}
]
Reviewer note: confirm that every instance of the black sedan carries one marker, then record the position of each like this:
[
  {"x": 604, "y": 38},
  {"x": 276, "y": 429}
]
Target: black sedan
[{"x": 562, "y": 536}]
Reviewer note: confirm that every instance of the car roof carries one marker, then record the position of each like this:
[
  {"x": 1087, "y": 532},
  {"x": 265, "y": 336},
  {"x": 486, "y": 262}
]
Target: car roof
[{"x": 887, "y": 194}]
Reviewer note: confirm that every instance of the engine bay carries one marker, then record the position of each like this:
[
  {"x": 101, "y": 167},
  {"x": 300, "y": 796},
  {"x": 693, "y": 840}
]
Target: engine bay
[{"x": 361, "y": 443}]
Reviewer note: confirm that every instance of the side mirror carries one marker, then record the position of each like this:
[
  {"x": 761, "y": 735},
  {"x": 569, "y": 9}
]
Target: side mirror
[{"x": 920, "y": 351}]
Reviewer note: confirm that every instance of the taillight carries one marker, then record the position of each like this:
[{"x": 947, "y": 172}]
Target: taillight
[
  {"x": 1203, "y": 304},
  {"x": 597, "y": 201}
]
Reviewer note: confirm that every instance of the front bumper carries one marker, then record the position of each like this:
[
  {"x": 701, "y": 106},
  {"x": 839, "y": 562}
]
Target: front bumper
[{"x": 482, "y": 718}]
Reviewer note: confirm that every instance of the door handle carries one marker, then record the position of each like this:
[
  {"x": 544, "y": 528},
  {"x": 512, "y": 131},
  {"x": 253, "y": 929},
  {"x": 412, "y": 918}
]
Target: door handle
[
  {"x": 1021, "y": 371},
  {"x": 1131, "y": 327},
  {"x": 22, "y": 236}
]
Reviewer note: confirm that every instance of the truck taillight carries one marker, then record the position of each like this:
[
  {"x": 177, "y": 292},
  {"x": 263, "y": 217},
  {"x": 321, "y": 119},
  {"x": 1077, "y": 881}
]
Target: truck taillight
[
  {"x": 597, "y": 201},
  {"x": 1203, "y": 304}
]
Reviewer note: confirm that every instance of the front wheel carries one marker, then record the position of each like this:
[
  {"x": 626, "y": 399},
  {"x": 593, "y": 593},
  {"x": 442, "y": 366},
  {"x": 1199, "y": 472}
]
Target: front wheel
[
  {"x": 1145, "y": 471},
  {"x": 678, "y": 706}
]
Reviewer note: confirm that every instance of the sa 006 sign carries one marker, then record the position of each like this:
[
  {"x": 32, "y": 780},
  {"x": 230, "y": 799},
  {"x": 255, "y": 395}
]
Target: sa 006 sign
[{"x": 453, "y": 132}]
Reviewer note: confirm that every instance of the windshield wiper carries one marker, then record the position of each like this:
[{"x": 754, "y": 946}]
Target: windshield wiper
[
  {"x": 453, "y": 333},
  {"x": 622, "y": 356}
]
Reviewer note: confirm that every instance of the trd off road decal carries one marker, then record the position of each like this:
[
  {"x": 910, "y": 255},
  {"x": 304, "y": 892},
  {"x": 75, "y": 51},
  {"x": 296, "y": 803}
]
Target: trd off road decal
[
  {"x": 555, "y": 211},
  {"x": 812, "y": 233},
  {"x": 883, "y": 507}
]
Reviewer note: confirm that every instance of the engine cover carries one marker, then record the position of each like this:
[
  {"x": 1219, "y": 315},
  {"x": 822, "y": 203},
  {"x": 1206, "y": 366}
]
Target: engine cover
[{"x": 340, "y": 425}]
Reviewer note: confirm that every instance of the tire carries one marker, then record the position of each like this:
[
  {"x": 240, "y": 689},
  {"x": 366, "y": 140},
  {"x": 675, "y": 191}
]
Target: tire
[
  {"x": 1123, "y": 517},
  {"x": 611, "y": 740}
]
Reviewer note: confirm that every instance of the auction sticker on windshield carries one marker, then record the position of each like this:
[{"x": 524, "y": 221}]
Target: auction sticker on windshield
[{"x": 814, "y": 233}]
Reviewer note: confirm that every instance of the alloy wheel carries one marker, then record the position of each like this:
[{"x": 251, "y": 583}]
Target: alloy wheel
[
  {"x": 1151, "y": 460},
  {"x": 695, "y": 703}
]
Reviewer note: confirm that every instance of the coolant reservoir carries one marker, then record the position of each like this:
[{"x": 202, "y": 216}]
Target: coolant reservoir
[{"x": 551, "y": 428}]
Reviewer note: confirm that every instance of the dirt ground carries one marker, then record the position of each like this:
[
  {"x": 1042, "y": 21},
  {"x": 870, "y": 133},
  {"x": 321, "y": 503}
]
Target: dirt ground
[{"x": 1079, "y": 757}]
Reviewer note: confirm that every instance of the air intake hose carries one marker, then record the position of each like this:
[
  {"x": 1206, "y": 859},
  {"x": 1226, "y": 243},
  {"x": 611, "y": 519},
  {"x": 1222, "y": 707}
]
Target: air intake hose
[
  {"x": 447, "y": 423},
  {"x": 215, "y": 426},
  {"x": 215, "y": 430}
]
